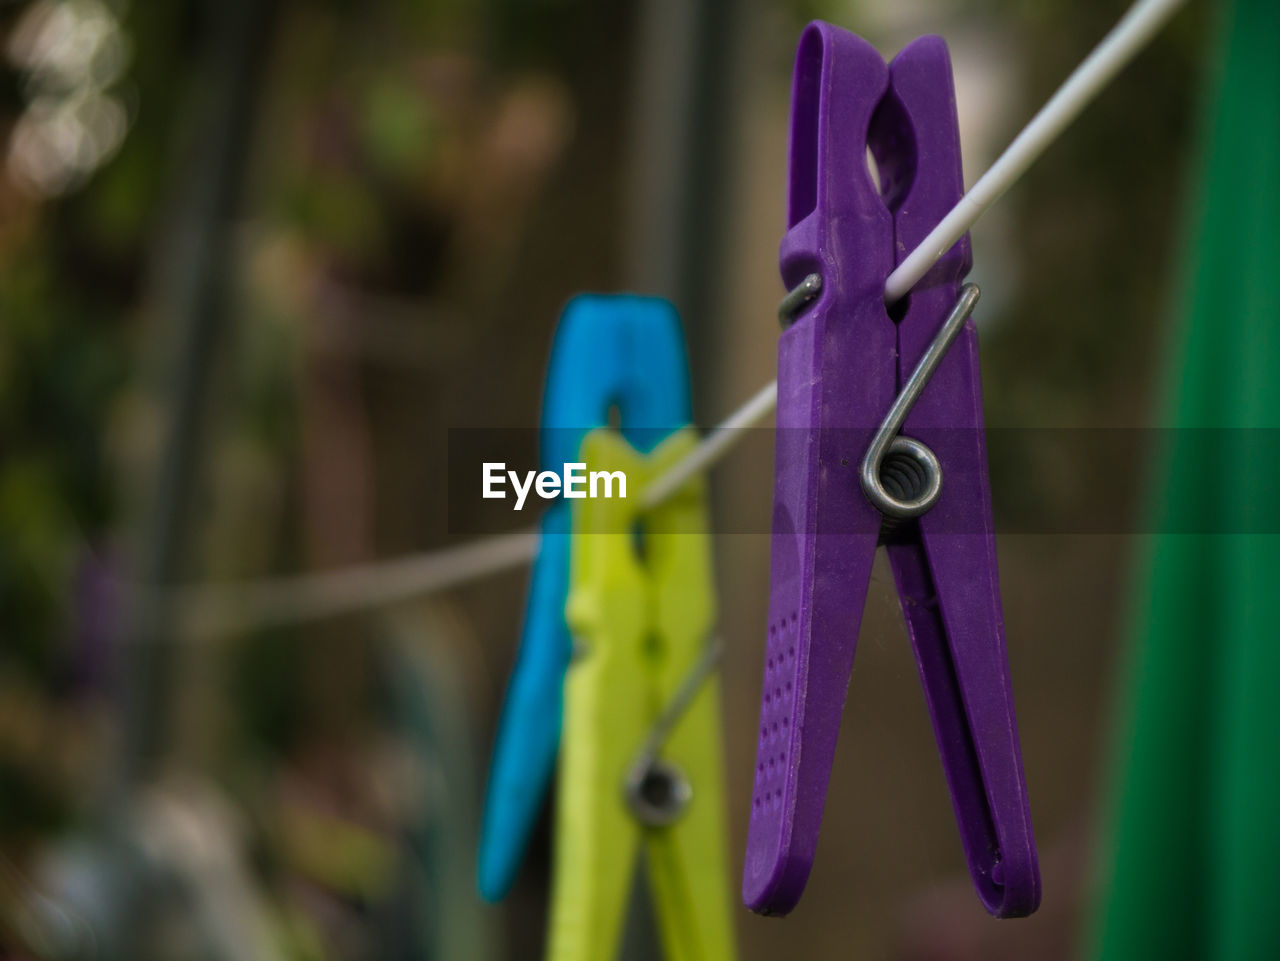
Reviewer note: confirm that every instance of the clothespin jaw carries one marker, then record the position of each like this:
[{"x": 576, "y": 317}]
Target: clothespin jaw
[
  {"x": 946, "y": 573},
  {"x": 835, "y": 379},
  {"x": 640, "y": 608},
  {"x": 609, "y": 350},
  {"x": 840, "y": 366}
]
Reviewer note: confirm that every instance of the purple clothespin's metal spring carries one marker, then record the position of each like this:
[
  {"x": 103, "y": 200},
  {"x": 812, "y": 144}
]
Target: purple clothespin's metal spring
[{"x": 845, "y": 365}]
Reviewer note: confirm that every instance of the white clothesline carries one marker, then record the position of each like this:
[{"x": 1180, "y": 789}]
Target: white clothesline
[{"x": 208, "y": 610}]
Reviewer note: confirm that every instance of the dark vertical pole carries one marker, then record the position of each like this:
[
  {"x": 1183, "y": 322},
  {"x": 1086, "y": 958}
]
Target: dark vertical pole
[
  {"x": 679, "y": 180},
  {"x": 685, "y": 70},
  {"x": 192, "y": 285}
]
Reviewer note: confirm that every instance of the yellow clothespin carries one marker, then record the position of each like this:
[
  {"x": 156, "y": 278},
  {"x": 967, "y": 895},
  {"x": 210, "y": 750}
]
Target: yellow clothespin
[{"x": 641, "y": 746}]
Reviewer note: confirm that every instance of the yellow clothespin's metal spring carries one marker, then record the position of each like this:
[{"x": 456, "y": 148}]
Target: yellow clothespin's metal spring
[{"x": 657, "y": 791}]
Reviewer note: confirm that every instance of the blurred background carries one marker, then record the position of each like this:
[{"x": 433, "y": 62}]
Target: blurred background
[{"x": 258, "y": 256}]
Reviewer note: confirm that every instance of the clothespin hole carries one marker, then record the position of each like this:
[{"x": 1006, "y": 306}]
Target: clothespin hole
[
  {"x": 873, "y": 169},
  {"x": 652, "y": 646},
  {"x": 639, "y": 544},
  {"x": 898, "y": 309},
  {"x": 615, "y": 416},
  {"x": 891, "y": 144}
]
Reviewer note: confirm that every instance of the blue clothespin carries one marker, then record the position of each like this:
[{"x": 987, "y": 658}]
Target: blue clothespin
[{"x": 609, "y": 350}]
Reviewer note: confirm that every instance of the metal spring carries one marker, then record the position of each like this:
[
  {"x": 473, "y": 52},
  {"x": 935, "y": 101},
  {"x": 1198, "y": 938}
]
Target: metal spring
[{"x": 900, "y": 476}]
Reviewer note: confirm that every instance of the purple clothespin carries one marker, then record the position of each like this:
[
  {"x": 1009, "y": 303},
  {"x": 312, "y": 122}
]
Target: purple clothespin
[{"x": 851, "y": 373}]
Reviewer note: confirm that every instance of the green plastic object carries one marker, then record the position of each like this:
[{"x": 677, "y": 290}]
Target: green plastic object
[
  {"x": 1194, "y": 852},
  {"x": 641, "y": 610}
]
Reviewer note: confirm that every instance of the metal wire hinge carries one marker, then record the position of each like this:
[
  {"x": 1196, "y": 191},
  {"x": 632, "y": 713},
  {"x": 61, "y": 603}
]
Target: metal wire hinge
[
  {"x": 901, "y": 476},
  {"x": 656, "y": 791}
]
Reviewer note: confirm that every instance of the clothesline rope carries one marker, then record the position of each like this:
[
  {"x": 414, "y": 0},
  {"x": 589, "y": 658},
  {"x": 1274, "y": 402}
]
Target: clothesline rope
[
  {"x": 212, "y": 610},
  {"x": 206, "y": 611},
  {"x": 209, "y": 610}
]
